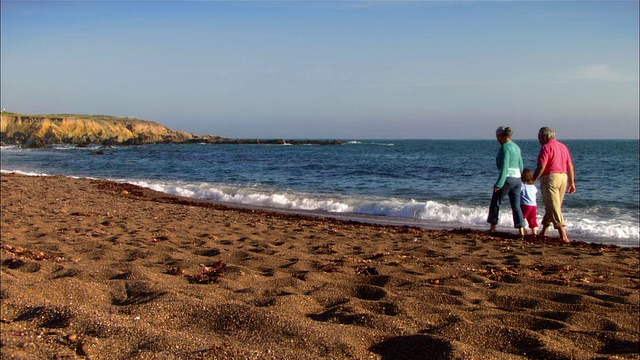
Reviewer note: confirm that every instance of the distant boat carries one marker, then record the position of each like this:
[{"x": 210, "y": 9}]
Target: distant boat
[{"x": 284, "y": 142}]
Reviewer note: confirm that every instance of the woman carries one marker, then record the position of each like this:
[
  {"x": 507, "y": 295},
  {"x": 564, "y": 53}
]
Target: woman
[{"x": 509, "y": 162}]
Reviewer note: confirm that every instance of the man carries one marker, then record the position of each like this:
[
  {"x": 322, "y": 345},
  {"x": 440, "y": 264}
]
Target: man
[{"x": 555, "y": 170}]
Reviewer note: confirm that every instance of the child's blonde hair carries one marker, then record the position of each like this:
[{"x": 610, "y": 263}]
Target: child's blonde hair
[{"x": 527, "y": 176}]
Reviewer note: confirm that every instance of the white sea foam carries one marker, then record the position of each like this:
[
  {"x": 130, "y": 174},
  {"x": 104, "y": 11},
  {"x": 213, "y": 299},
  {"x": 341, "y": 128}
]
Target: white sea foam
[
  {"x": 27, "y": 173},
  {"x": 429, "y": 212},
  {"x": 356, "y": 142}
]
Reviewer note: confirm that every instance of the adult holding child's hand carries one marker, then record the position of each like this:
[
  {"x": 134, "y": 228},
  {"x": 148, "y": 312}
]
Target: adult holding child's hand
[{"x": 557, "y": 176}]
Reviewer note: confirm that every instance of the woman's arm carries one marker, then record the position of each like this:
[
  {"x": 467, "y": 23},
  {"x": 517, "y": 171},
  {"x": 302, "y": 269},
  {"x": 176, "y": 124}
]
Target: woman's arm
[{"x": 504, "y": 156}]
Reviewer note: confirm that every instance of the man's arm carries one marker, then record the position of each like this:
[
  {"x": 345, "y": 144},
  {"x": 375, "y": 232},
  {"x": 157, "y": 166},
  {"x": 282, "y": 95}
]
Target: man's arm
[
  {"x": 538, "y": 172},
  {"x": 571, "y": 178}
]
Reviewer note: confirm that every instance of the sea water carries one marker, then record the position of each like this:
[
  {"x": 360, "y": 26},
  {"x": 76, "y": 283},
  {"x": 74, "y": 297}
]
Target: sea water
[{"x": 428, "y": 183}]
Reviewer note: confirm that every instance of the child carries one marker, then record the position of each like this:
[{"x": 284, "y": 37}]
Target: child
[{"x": 528, "y": 200}]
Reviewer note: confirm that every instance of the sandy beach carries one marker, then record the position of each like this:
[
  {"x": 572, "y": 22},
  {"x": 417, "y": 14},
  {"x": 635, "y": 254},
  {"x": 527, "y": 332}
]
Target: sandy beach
[{"x": 98, "y": 270}]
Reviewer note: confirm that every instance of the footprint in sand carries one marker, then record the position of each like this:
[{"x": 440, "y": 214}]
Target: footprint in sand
[{"x": 414, "y": 347}]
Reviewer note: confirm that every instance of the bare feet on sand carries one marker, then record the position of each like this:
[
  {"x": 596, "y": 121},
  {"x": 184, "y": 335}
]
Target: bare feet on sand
[{"x": 562, "y": 234}]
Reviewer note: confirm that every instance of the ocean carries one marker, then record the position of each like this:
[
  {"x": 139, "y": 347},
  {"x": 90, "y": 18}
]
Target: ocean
[{"x": 438, "y": 184}]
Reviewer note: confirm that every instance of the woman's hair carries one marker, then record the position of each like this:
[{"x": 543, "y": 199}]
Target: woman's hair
[
  {"x": 547, "y": 133},
  {"x": 504, "y": 131},
  {"x": 527, "y": 176}
]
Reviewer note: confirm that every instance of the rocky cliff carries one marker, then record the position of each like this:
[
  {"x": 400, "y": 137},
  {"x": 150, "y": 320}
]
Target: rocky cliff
[
  {"x": 21, "y": 129},
  {"x": 43, "y": 130}
]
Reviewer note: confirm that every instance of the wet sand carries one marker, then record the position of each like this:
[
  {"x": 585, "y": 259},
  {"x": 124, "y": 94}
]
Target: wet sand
[{"x": 98, "y": 270}]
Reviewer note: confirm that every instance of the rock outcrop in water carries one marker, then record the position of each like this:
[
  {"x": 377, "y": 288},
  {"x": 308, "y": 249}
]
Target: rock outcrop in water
[{"x": 42, "y": 130}]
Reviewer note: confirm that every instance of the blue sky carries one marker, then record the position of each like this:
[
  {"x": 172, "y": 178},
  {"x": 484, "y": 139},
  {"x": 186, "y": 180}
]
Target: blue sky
[{"x": 333, "y": 70}]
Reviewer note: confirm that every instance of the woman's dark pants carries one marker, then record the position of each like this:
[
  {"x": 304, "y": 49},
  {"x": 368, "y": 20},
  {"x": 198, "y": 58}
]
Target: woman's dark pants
[{"x": 512, "y": 188}]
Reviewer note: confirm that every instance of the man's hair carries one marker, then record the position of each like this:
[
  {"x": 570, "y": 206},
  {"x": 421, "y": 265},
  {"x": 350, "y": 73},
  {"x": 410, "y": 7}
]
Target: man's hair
[{"x": 547, "y": 133}]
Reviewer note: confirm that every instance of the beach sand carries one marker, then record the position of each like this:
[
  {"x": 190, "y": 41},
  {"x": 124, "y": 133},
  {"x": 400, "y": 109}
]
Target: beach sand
[{"x": 98, "y": 270}]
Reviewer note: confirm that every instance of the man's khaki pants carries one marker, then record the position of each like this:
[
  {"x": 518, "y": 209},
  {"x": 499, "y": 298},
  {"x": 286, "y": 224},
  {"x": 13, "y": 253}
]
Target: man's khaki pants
[{"x": 553, "y": 187}]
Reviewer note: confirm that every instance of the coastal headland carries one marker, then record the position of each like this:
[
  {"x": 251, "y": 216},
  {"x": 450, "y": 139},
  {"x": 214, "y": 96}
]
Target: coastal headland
[
  {"x": 36, "y": 131},
  {"x": 93, "y": 269}
]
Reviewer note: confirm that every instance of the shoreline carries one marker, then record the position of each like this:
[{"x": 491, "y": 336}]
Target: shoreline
[
  {"x": 382, "y": 219},
  {"x": 98, "y": 269}
]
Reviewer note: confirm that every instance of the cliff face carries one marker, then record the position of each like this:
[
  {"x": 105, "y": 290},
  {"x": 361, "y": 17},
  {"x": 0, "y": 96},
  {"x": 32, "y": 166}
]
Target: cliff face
[
  {"x": 42, "y": 130},
  {"x": 19, "y": 129}
]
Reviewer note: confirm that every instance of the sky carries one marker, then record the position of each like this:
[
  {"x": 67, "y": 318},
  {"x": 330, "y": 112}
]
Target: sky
[{"x": 331, "y": 69}]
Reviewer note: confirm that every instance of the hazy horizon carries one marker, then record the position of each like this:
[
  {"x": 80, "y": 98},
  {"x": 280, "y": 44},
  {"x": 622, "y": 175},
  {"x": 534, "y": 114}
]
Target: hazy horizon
[{"x": 330, "y": 70}]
